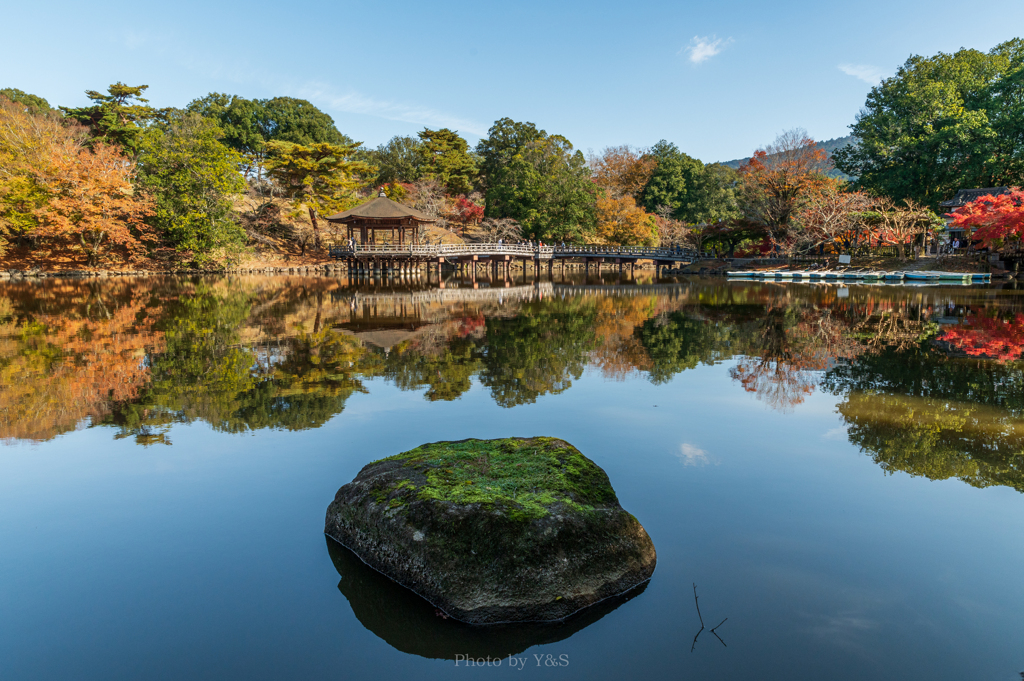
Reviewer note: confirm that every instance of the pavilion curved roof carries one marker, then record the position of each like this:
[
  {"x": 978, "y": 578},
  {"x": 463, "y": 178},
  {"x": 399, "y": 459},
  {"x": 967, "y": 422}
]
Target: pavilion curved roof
[{"x": 380, "y": 207}]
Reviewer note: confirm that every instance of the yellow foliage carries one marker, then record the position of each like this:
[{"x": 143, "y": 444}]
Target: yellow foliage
[{"x": 621, "y": 221}]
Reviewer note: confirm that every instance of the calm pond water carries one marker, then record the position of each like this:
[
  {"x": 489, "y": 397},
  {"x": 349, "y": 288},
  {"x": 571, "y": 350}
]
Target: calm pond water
[{"x": 839, "y": 471}]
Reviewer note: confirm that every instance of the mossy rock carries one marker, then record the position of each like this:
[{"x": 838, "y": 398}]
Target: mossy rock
[{"x": 488, "y": 531}]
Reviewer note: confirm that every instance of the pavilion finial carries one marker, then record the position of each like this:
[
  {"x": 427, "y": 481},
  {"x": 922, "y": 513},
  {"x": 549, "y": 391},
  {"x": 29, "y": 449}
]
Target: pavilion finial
[{"x": 381, "y": 192}]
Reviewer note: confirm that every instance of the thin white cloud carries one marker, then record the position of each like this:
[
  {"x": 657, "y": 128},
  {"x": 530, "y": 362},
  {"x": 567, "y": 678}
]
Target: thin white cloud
[
  {"x": 701, "y": 49},
  {"x": 839, "y": 433},
  {"x": 691, "y": 455},
  {"x": 354, "y": 102},
  {"x": 869, "y": 74}
]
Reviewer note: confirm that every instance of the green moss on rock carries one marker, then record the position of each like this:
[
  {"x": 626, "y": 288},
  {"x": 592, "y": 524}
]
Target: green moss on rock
[{"x": 525, "y": 476}]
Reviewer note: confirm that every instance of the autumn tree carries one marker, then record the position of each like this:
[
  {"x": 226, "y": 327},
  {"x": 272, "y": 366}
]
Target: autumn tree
[
  {"x": 92, "y": 203},
  {"x": 192, "y": 176},
  {"x": 465, "y": 211},
  {"x": 777, "y": 179},
  {"x": 27, "y": 141},
  {"x": 899, "y": 225},
  {"x": 622, "y": 170},
  {"x": 322, "y": 176},
  {"x": 620, "y": 221},
  {"x": 831, "y": 214},
  {"x": 54, "y": 189},
  {"x": 998, "y": 221},
  {"x": 446, "y": 159}
]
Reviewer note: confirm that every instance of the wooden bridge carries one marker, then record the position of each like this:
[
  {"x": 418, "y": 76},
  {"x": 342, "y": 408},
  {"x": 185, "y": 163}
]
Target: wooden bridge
[{"x": 371, "y": 258}]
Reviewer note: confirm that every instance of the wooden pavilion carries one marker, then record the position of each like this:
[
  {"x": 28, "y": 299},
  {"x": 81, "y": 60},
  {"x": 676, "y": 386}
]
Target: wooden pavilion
[{"x": 382, "y": 215}]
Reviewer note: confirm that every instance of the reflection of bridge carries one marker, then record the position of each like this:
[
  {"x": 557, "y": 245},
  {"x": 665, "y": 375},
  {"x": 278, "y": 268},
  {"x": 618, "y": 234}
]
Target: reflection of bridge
[
  {"x": 620, "y": 290},
  {"x": 371, "y": 258},
  {"x": 452, "y": 295}
]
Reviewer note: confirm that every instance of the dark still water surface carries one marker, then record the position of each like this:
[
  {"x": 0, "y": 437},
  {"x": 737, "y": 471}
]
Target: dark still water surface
[{"x": 838, "y": 470}]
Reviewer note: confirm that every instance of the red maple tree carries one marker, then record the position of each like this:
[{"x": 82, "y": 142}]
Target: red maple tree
[{"x": 993, "y": 219}]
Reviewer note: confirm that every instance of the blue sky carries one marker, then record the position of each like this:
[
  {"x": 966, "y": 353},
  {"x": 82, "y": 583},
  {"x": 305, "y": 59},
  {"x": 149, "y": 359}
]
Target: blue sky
[{"x": 718, "y": 79}]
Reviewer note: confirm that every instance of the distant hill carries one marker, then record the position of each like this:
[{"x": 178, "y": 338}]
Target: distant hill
[{"x": 828, "y": 145}]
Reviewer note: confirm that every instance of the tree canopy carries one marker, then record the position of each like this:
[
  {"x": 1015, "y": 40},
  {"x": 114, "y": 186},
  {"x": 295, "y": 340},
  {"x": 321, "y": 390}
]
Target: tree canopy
[
  {"x": 192, "y": 176},
  {"x": 940, "y": 124},
  {"x": 546, "y": 187},
  {"x": 446, "y": 159}
]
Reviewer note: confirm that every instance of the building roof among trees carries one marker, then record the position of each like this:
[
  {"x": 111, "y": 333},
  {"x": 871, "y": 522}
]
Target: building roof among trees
[
  {"x": 965, "y": 196},
  {"x": 380, "y": 207}
]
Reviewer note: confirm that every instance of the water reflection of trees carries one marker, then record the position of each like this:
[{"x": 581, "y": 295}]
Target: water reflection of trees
[
  {"x": 71, "y": 352},
  {"x": 250, "y": 353},
  {"x": 920, "y": 411}
]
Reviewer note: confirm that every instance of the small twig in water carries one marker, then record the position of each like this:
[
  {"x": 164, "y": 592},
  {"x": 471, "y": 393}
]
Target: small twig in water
[
  {"x": 697, "y": 604},
  {"x": 694, "y": 644},
  {"x": 716, "y": 635}
]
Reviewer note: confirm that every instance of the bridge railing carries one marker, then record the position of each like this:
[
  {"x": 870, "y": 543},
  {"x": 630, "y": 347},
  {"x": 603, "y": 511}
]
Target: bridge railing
[
  {"x": 517, "y": 250},
  {"x": 628, "y": 251},
  {"x": 442, "y": 250}
]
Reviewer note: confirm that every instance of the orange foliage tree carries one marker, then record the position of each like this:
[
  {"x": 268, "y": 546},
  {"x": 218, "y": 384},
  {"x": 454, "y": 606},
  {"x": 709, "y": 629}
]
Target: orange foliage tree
[
  {"x": 621, "y": 221},
  {"x": 52, "y": 188},
  {"x": 92, "y": 203},
  {"x": 622, "y": 170},
  {"x": 776, "y": 180},
  {"x": 997, "y": 221}
]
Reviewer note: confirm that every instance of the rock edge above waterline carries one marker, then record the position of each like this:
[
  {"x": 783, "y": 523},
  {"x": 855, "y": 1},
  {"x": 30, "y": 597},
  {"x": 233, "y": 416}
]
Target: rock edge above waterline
[{"x": 489, "y": 531}]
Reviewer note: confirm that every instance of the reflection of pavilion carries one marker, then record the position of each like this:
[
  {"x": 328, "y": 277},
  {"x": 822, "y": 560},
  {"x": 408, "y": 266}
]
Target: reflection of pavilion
[
  {"x": 382, "y": 215},
  {"x": 385, "y": 319}
]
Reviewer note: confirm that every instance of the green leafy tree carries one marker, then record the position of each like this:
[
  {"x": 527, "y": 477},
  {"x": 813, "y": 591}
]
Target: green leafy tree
[
  {"x": 322, "y": 176},
  {"x": 400, "y": 160},
  {"x": 244, "y": 124},
  {"x": 118, "y": 118},
  {"x": 251, "y": 124},
  {"x": 504, "y": 140},
  {"x": 192, "y": 176},
  {"x": 446, "y": 159},
  {"x": 546, "y": 187},
  {"x": 940, "y": 124},
  {"x": 693, "y": 192},
  {"x": 33, "y": 103}
]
